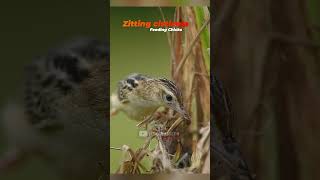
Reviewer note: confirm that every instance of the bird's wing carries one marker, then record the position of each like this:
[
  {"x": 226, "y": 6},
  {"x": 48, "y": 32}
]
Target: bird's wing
[{"x": 52, "y": 77}]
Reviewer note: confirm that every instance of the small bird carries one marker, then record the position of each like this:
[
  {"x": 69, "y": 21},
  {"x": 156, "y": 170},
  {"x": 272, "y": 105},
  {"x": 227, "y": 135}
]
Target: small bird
[
  {"x": 139, "y": 96},
  {"x": 62, "y": 118}
]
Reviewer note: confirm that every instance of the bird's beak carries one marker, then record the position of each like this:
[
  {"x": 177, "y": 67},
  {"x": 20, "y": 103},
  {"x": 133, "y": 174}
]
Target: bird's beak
[{"x": 183, "y": 113}]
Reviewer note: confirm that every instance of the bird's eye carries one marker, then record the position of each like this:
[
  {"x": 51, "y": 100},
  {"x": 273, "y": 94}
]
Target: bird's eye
[{"x": 169, "y": 98}]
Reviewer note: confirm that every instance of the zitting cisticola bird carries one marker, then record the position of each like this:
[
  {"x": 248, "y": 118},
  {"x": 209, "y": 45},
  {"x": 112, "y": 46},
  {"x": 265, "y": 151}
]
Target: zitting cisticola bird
[
  {"x": 63, "y": 116},
  {"x": 139, "y": 96}
]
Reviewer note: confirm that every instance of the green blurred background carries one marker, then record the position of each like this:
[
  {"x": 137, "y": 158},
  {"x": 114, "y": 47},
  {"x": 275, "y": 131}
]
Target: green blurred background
[
  {"x": 29, "y": 29},
  {"x": 134, "y": 50}
]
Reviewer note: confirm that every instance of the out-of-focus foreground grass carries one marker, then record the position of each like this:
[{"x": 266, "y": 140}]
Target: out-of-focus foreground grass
[{"x": 28, "y": 30}]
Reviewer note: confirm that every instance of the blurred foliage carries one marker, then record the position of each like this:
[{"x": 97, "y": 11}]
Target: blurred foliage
[
  {"x": 202, "y": 15},
  {"x": 272, "y": 83},
  {"x": 314, "y": 13},
  {"x": 29, "y": 30}
]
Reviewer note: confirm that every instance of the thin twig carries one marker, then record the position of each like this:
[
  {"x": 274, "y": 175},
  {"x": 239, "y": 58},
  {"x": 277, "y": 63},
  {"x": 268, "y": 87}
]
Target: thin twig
[
  {"x": 175, "y": 124},
  {"x": 182, "y": 62},
  {"x": 202, "y": 74},
  {"x": 168, "y": 36},
  {"x": 115, "y": 148}
]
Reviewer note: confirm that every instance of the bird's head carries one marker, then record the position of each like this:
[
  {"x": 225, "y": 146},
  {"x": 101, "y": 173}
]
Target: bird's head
[{"x": 171, "y": 97}]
